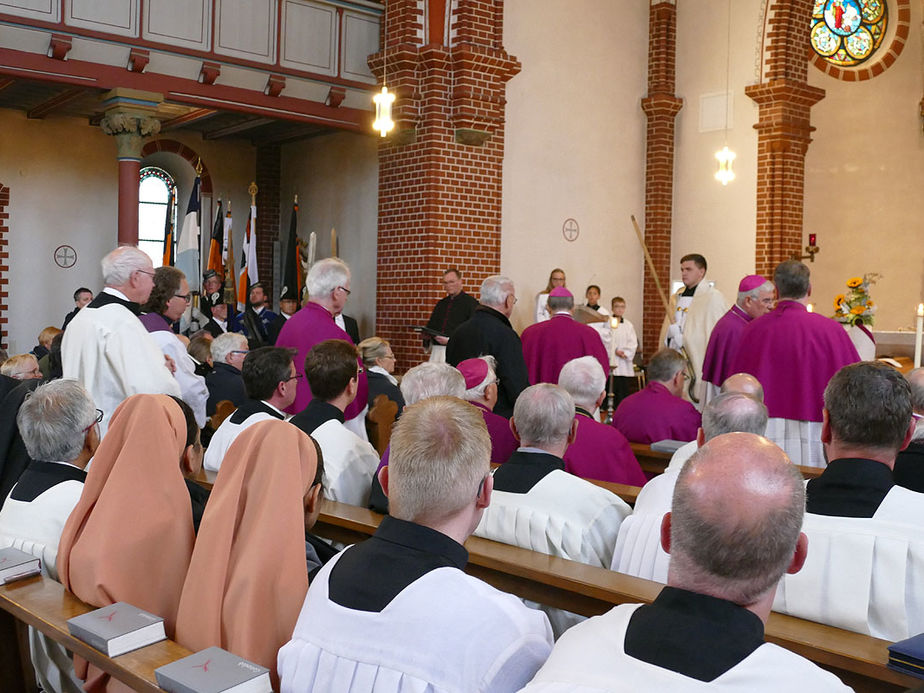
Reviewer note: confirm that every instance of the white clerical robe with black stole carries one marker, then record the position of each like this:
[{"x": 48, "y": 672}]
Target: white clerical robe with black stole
[
  {"x": 250, "y": 412},
  {"x": 716, "y": 647},
  {"x": 107, "y": 349},
  {"x": 349, "y": 461},
  {"x": 397, "y": 614}
]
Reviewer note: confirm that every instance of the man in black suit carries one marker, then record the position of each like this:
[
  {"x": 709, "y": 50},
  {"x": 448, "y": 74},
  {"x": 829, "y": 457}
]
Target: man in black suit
[
  {"x": 488, "y": 331},
  {"x": 225, "y": 382}
]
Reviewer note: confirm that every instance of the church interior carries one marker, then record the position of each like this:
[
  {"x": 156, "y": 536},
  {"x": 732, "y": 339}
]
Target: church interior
[{"x": 560, "y": 99}]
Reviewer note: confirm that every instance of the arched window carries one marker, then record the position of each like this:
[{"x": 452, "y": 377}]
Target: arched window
[
  {"x": 848, "y": 32},
  {"x": 156, "y": 213}
]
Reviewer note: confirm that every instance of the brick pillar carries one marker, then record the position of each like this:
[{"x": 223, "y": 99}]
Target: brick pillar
[
  {"x": 440, "y": 170},
  {"x": 267, "y": 176},
  {"x": 660, "y": 106},
  {"x": 783, "y": 129},
  {"x": 4, "y": 266}
]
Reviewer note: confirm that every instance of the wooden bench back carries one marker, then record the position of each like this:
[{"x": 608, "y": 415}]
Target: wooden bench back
[
  {"x": 858, "y": 659},
  {"x": 379, "y": 420}
]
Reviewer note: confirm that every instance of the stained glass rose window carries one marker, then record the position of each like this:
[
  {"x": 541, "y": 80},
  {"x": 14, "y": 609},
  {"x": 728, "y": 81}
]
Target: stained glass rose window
[{"x": 848, "y": 32}]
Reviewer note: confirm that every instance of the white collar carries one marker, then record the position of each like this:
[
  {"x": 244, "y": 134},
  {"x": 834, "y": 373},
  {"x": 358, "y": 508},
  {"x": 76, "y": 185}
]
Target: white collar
[
  {"x": 115, "y": 292},
  {"x": 382, "y": 371}
]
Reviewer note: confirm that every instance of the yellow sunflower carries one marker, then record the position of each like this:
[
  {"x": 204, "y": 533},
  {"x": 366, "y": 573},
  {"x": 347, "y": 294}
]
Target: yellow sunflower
[
  {"x": 839, "y": 301},
  {"x": 854, "y": 283},
  {"x": 858, "y": 310}
]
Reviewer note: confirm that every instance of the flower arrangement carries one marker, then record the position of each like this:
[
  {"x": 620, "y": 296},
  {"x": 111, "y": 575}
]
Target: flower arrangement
[{"x": 856, "y": 307}]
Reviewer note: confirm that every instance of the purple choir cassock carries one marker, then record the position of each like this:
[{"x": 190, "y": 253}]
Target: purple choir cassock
[
  {"x": 655, "y": 414},
  {"x": 503, "y": 444},
  {"x": 723, "y": 343},
  {"x": 793, "y": 353},
  {"x": 601, "y": 452},
  {"x": 309, "y": 326},
  {"x": 549, "y": 345}
]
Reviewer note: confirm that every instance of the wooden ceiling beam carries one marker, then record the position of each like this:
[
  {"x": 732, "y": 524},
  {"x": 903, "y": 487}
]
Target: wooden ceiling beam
[
  {"x": 56, "y": 102},
  {"x": 236, "y": 129},
  {"x": 194, "y": 116}
]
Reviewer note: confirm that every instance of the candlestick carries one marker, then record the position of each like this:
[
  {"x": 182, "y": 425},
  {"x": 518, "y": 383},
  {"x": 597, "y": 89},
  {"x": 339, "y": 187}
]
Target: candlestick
[{"x": 918, "y": 332}]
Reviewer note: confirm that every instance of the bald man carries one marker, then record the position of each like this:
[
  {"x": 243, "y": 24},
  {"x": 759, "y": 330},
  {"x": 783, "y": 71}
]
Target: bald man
[
  {"x": 637, "y": 550},
  {"x": 707, "y": 625}
]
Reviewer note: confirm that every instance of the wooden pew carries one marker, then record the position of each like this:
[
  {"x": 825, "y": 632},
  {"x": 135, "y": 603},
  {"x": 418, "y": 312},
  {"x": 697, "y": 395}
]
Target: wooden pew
[
  {"x": 655, "y": 461},
  {"x": 859, "y": 660},
  {"x": 45, "y": 605},
  {"x": 379, "y": 420}
]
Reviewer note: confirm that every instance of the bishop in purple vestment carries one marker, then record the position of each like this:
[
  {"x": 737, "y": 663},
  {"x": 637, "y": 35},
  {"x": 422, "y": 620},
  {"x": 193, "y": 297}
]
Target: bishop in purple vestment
[
  {"x": 755, "y": 298},
  {"x": 793, "y": 353},
  {"x": 659, "y": 412},
  {"x": 549, "y": 345},
  {"x": 481, "y": 390},
  {"x": 328, "y": 284}
]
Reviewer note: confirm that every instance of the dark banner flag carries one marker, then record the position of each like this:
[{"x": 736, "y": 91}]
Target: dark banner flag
[
  {"x": 168, "y": 233},
  {"x": 216, "y": 245},
  {"x": 292, "y": 270}
]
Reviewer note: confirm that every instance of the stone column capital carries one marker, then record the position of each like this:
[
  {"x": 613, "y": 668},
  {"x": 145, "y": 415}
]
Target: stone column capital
[{"x": 129, "y": 129}]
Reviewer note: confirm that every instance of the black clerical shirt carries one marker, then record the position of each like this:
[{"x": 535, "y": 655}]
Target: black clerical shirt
[
  {"x": 849, "y": 487},
  {"x": 693, "y": 634},
  {"x": 316, "y": 413},
  {"x": 398, "y": 554},
  {"x": 524, "y": 470}
]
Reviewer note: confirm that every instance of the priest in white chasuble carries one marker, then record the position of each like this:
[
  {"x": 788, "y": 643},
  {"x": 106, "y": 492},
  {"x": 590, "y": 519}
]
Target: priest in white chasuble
[{"x": 694, "y": 311}]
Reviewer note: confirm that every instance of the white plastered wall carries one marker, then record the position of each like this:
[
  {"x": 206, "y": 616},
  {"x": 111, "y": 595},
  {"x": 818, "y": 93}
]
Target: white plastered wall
[
  {"x": 336, "y": 179},
  {"x": 575, "y": 148},
  {"x": 63, "y": 176}
]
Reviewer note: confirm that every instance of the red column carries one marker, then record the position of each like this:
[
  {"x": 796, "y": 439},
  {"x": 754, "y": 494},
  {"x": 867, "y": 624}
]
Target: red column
[
  {"x": 440, "y": 171},
  {"x": 784, "y": 127},
  {"x": 129, "y": 172},
  {"x": 660, "y": 106}
]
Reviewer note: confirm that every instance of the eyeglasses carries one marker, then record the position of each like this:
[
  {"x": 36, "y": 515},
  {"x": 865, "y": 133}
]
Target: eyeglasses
[
  {"x": 98, "y": 419},
  {"x": 240, "y": 351},
  {"x": 343, "y": 288},
  {"x": 185, "y": 297},
  {"x": 150, "y": 274},
  {"x": 297, "y": 376}
]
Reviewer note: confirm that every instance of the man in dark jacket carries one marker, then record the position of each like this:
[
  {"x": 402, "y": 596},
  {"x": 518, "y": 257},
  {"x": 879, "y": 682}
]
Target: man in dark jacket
[
  {"x": 225, "y": 382},
  {"x": 488, "y": 331}
]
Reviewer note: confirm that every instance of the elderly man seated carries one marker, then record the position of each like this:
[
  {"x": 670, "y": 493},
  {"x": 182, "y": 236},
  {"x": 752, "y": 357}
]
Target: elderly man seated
[
  {"x": 732, "y": 533},
  {"x": 422, "y": 624},
  {"x": 58, "y": 424},
  {"x": 659, "y": 412},
  {"x": 21, "y": 367},
  {"x": 481, "y": 390},
  {"x": 225, "y": 382},
  {"x": 600, "y": 451},
  {"x": 537, "y": 505},
  {"x": 429, "y": 379}
]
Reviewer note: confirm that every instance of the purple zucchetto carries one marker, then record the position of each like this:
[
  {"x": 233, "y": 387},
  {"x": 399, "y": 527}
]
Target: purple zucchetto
[
  {"x": 561, "y": 291},
  {"x": 751, "y": 282}
]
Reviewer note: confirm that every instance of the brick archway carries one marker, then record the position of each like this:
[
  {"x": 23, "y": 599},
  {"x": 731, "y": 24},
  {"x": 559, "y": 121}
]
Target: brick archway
[
  {"x": 181, "y": 150},
  {"x": 4, "y": 266}
]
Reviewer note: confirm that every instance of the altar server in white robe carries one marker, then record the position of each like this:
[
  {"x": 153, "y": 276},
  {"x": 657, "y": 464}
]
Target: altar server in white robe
[
  {"x": 734, "y": 530},
  {"x": 270, "y": 382},
  {"x": 638, "y": 548},
  {"x": 349, "y": 461},
  {"x": 107, "y": 348},
  {"x": 58, "y": 426},
  {"x": 397, "y": 613}
]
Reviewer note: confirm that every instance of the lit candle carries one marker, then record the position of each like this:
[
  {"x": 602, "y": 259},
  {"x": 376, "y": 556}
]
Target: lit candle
[
  {"x": 918, "y": 331},
  {"x": 614, "y": 322},
  {"x": 813, "y": 237},
  {"x": 810, "y": 308}
]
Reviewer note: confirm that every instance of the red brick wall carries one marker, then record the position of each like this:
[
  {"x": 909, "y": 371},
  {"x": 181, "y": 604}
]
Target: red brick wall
[
  {"x": 4, "y": 260},
  {"x": 439, "y": 199},
  {"x": 267, "y": 178},
  {"x": 660, "y": 106},
  {"x": 783, "y": 132}
]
